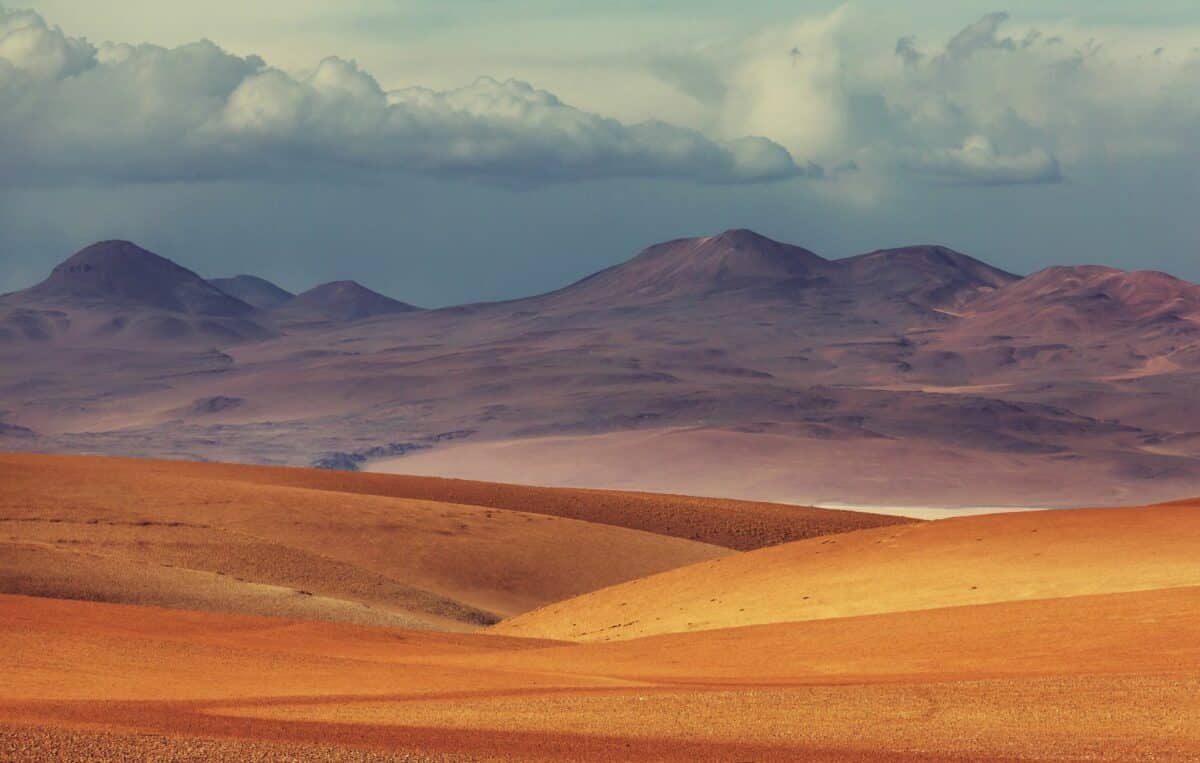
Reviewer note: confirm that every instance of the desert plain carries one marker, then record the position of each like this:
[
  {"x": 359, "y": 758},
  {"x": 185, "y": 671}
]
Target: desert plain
[{"x": 158, "y": 610}]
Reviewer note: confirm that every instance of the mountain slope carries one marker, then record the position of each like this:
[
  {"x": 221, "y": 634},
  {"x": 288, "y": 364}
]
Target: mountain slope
[
  {"x": 340, "y": 301},
  {"x": 929, "y": 276},
  {"x": 123, "y": 274},
  {"x": 253, "y": 290},
  {"x": 116, "y": 293},
  {"x": 1088, "y": 299},
  {"x": 696, "y": 267},
  {"x": 730, "y": 364}
]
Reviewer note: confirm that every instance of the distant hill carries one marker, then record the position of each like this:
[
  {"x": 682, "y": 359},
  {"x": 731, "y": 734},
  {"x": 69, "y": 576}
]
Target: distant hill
[
  {"x": 116, "y": 291},
  {"x": 1089, "y": 298},
  {"x": 253, "y": 290},
  {"x": 929, "y": 276},
  {"x": 697, "y": 267},
  {"x": 123, "y": 274},
  {"x": 341, "y": 301},
  {"x": 730, "y": 365}
]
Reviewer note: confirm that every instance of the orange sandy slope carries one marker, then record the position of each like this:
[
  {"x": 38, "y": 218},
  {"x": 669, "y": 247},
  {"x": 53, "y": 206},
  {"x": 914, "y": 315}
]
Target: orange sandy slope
[
  {"x": 740, "y": 525},
  {"x": 224, "y": 538},
  {"x": 365, "y": 548},
  {"x": 1107, "y": 677},
  {"x": 1064, "y": 635},
  {"x": 951, "y": 562}
]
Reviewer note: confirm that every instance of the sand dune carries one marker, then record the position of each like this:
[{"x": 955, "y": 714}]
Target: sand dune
[
  {"x": 740, "y": 525},
  {"x": 1116, "y": 681},
  {"x": 969, "y": 560},
  {"x": 1045, "y": 635},
  {"x": 1138, "y": 632},
  {"x": 188, "y": 535}
]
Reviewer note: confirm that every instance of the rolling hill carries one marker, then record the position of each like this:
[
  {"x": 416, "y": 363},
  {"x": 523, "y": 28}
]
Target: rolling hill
[
  {"x": 1044, "y": 635},
  {"x": 948, "y": 563},
  {"x": 355, "y": 548},
  {"x": 339, "y": 301}
]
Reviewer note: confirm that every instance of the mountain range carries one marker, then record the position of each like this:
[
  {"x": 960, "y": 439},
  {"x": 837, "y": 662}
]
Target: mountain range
[{"x": 729, "y": 365}]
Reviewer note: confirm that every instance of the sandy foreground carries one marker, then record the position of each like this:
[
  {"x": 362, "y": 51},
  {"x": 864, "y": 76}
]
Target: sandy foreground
[{"x": 1066, "y": 635}]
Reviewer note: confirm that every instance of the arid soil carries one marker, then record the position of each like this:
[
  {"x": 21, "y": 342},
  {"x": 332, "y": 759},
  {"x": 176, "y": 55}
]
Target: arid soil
[
  {"x": 362, "y": 548},
  {"x": 970, "y": 683},
  {"x": 184, "y": 536},
  {"x": 1044, "y": 635},
  {"x": 949, "y": 562}
]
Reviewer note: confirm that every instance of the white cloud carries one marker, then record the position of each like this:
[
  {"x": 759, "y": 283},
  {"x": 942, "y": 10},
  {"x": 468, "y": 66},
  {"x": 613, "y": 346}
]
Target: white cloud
[
  {"x": 38, "y": 50},
  {"x": 786, "y": 83},
  {"x": 996, "y": 103},
  {"x": 976, "y": 162},
  {"x": 71, "y": 111}
]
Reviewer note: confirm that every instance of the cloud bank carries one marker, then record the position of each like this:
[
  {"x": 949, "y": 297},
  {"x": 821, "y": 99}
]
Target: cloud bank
[
  {"x": 992, "y": 104},
  {"x": 72, "y": 111},
  {"x": 976, "y": 162}
]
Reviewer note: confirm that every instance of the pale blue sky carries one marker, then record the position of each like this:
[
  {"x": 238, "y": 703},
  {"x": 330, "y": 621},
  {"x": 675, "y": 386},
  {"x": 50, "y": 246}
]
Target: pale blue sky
[{"x": 1064, "y": 132}]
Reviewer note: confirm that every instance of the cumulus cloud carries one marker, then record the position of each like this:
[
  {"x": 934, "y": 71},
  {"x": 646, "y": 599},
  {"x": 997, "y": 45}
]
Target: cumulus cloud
[
  {"x": 70, "y": 111},
  {"x": 976, "y": 162},
  {"x": 994, "y": 103},
  {"x": 981, "y": 35},
  {"x": 44, "y": 53}
]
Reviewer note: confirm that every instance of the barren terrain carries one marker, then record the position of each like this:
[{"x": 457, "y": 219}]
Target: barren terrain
[
  {"x": 948, "y": 562},
  {"x": 727, "y": 365},
  {"x": 1042, "y": 635},
  {"x": 353, "y": 547}
]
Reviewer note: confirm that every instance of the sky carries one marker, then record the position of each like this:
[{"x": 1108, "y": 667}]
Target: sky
[{"x": 449, "y": 151}]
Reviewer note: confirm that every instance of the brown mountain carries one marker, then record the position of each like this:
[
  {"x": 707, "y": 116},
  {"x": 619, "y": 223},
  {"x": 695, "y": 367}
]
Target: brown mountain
[
  {"x": 697, "y": 267},
  {"x": 123, "y": 274},
  {"x": 340, "y": 301},
  {"x": 116, "y": 290},
  {"x": 926, "y": 276},
  {"x": 1089, "y": 299},
  {"x": 740, "y": 267},
  {"x": 728, "y": 365}
]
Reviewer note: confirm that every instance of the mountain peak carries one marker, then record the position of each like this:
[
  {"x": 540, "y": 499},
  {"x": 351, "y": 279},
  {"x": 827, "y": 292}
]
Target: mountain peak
[
  {"x": 930, "y": 255},
  {"x": 345, "y": 285},
  {"x": 742, "y": 237},
  {"x": 928, "y": 275},
  {"x": 121, "y": 273},
  {"x": 694, "y": 267},
  {"x": 343, "y": 301},
  {"x": 113, "y": 254}
]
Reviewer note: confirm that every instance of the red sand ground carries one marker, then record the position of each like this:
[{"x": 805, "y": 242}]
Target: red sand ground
[
  {"x": 1037, "y": 636},
  {"x": 972, "y": 683},
  {"x": 298, "y": 543},
  {"x": 950, "y": 562}
]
